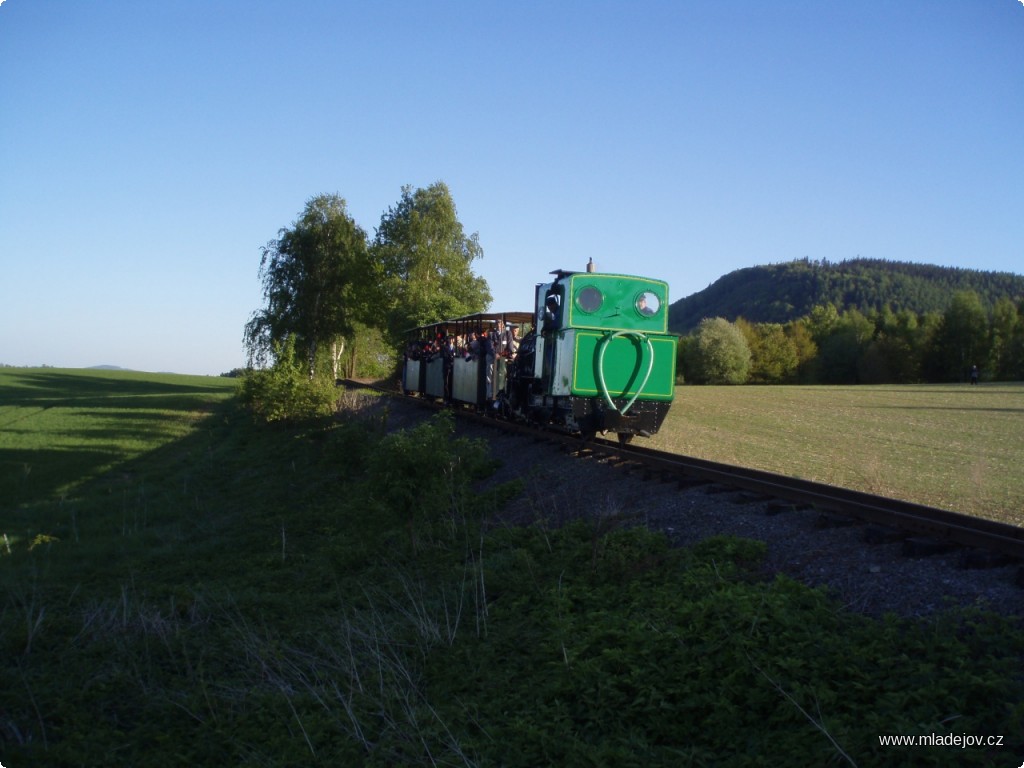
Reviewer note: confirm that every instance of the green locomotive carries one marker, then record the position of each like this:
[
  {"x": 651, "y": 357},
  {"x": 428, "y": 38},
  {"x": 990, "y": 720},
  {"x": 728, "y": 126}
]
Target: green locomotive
[
  {"x": 599, "y": 358},
  {"x": 595, "y": 356}
]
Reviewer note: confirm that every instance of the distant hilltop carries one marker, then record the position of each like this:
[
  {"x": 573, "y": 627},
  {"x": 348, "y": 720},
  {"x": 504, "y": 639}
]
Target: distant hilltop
[
  {"x": 89, "y": 368},
  {"x": 778, "y": 293}
]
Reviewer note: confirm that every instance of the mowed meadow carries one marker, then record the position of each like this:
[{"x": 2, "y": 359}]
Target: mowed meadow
[{"x": 957, "y": 447}]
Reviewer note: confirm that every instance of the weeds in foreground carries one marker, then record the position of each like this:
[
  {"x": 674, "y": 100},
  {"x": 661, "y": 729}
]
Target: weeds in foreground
[{"x": 340, "y": 596}]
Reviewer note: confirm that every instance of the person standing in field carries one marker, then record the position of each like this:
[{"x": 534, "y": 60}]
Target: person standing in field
[{"x": 974, "y": 374}]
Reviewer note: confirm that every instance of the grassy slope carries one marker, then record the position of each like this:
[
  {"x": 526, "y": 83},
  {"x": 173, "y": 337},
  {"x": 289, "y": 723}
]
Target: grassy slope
[
  {"x": 243, "y": 595},
  {"x": 950, "y": 446},
  {"x": 59, "y": 428}
]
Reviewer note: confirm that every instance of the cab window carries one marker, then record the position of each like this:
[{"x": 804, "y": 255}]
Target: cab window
[
  {"x": 648, "y": 303},
  {"x": 553, "y": 309},
  {"x": 589, "y": 299}
]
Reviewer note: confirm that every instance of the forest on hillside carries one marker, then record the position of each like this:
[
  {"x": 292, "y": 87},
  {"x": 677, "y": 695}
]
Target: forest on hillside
[
  {"x": 780, "y": 293},
  {"x": 859, "y": 322}
]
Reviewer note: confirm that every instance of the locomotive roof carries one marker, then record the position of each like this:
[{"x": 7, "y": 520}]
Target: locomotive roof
[{"x": 561, "y": 274}]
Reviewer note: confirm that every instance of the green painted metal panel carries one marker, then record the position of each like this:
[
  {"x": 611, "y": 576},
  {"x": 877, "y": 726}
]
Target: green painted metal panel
[
  {"x": 601, "y": 300},
  {"x": 624, "y": 365}
]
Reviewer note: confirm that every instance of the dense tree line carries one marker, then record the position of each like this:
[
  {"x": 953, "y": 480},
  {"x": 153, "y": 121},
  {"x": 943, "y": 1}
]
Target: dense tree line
[
  {"x": 830, "y": 346},
  {"x": 338, "y": 301},
  {"x": 327, "y": 283},
  {"x": 781, "y": 293}
]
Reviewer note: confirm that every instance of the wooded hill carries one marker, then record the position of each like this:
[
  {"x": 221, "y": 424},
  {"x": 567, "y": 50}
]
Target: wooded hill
[{"x": 778, "y": 293}]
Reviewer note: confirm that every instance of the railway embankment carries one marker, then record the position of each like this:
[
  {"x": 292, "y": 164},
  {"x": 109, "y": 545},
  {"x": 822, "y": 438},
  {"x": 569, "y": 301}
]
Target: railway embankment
[{"x": 866, "y": 568}]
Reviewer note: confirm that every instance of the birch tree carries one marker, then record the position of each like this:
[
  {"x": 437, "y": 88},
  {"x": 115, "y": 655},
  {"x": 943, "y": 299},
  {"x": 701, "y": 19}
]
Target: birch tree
[{"x": 318, "y": 282}]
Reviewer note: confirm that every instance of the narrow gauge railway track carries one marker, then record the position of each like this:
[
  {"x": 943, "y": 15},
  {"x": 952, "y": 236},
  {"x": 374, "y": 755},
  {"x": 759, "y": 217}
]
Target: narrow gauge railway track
[{"x": 903, "y": 518}]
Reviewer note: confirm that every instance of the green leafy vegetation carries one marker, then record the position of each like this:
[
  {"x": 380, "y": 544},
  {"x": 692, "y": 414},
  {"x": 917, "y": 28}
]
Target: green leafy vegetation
[
  {"x": 284, "y": 391},
  {"x": 425, "y": 260},
  {"x": 334, "y": 300},
  {"x": 720, "y": 353},
  {"x": 331, "y": 593},
  {"x": 858, "y": 322},
  {"x": 780, "y": 293}
]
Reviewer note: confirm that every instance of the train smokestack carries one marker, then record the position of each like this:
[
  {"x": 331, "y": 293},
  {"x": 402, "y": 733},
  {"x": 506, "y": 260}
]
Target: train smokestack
[{"x": 590, "y": 266}]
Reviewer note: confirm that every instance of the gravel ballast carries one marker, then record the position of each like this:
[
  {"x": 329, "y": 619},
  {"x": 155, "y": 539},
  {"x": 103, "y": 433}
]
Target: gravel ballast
[{"x": 868, "y": 578}]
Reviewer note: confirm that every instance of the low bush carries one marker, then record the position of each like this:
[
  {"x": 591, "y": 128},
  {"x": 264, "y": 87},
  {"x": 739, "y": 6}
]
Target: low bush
[{"x": 285, "y": 392}]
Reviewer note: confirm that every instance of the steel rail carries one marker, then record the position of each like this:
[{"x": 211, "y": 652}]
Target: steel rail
[
  {"x": 954, "y": 527},
  {"x": 903, "y": 516}
]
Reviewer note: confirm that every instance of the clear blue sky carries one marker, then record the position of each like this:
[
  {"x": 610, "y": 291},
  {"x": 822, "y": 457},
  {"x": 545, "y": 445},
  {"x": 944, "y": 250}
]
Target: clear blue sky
[{"x": 149, "y": 149}]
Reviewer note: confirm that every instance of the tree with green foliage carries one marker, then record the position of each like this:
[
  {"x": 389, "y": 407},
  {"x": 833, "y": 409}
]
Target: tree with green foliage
[
  {"x": 821, "y": 321},
  {"x": 367, "y": 354},
  {"x": 830, "y": 346},
  {"x": 773, "y": 355},
  {"x": 317, "y": 281},
  {"x": 841, "y": 349},
  {"x": 1016, "y": 353},
  {"x": 892, "y": 356},
  {"x": 962, "y": 339},
  {"x": 779, "y": 293},
  {"x": 806, "y": 350},
  {"x": 426, "y": 260},
  {"x": 1005, "y": 328},
  {"x": 284, "y": 392},
  {"x": 722, "y": 353},
  {"x": 686, "y": 356},
  {"x": 929, "y": 326}
]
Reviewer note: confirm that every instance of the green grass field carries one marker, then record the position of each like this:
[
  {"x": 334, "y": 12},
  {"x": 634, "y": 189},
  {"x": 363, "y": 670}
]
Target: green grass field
[
  {"x": 180, "y": 585},
  {"x": 60, "y": 429},
  {"x": 951, "y": 446}
]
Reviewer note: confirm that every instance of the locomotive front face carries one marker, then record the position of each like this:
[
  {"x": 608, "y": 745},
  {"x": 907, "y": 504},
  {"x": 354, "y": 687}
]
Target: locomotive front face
[{"x": 607, "y": 350}]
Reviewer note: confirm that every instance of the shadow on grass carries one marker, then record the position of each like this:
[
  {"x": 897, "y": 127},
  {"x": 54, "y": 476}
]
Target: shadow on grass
[
  {"x": 31, "y": 475},
  {"x": 59, "y": 491},
  {"x": 207, "y": 493},
  {"x": 63, "y": 429},
  {"x": 48, "y": 390}
]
